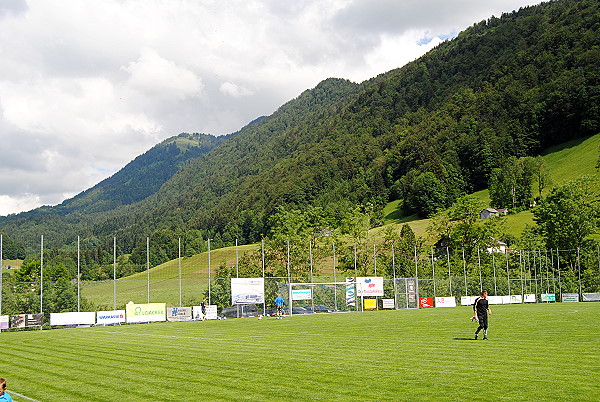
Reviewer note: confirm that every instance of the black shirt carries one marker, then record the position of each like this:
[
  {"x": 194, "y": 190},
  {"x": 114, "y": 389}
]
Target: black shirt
[{"x": 480, "y": 306}]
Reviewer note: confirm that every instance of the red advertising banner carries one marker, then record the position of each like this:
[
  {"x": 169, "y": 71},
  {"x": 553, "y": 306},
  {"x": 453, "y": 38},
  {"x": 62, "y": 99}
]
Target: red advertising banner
[{"x": 425, "y": 302}]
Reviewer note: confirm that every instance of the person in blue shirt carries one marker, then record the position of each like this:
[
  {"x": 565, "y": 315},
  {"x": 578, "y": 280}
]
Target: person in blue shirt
[
  {"x": 279, "y": 303},
  {"x": 4, "y": 397}
]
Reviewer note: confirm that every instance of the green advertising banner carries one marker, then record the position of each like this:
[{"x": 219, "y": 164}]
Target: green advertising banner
[{"x": 548, "y": 297}]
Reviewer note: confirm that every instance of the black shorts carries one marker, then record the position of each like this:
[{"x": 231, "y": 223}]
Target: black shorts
[{"x": 483, "y": 321}]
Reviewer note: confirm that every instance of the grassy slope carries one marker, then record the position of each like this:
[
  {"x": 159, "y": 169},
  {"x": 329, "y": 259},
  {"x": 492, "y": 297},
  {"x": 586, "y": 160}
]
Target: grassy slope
[
  {"x": 386, "y": 355},
  {"x": 567, "y": 161},
  {"x": 164, "y": 280}
]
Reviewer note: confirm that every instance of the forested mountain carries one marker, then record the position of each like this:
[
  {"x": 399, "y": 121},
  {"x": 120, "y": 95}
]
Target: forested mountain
[
  {"x": 425, "y": 133},
  {"x": 143, "y": 176}
]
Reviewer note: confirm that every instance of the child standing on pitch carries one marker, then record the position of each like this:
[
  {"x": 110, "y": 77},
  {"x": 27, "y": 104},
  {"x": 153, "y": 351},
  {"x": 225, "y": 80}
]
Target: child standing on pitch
[
  {"x": 4, "y": 397},
  {"x": 480, "y": 313}
]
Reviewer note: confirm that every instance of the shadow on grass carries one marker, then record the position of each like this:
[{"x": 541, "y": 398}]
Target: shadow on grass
[{"x": 465, "y": 339}]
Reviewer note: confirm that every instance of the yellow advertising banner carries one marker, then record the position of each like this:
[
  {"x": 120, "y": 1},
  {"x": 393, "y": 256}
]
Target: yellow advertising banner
[
  {"x": 370, "y": 304},
  {"x": 146, "y": 312}
]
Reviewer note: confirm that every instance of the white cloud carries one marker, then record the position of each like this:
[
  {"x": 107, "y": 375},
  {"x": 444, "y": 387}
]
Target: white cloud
[
  {"x": 155, "y": 76},
  {"x": 85, "y": 87},
  {"x": 233, "y": 90}
]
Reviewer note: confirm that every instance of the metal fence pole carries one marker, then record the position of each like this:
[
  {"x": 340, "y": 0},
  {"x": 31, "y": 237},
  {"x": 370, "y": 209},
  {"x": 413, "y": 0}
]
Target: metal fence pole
[
  {"x": 394, "y": 271},
  {"x": 41, "y": 273},
  {"x": 558, "y": 269},
  {"x": 209, "y": 271},
  {"x": 507, "y": 271},
  {"x": 334, "y": 277},
  {"x": 579, "y": 275},
  {"x": 179, "y": 267},
  {"x": 433, "y": 273},
  {"x": 521, "y": 267},
  {"x": 114, "y": 273},
  {"x": 78, "y": 278},
  {"x": 355, "y": 287},
  {"x": 465, "y": 272},
  {"x": 449, "y": 274},
  {"x": 494, "y": 268},
  {"x": 148, "y": 266}
]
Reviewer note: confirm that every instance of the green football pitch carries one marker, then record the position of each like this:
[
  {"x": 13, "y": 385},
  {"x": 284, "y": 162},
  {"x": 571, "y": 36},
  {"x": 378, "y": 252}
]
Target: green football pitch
[{"x": 535, "y": 352}]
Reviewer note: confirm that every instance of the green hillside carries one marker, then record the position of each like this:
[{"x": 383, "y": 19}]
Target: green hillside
[{"x": 567, "y": 161}]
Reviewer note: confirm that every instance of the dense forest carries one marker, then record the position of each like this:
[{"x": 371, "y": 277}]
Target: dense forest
[{"x": 427, "y": 134}]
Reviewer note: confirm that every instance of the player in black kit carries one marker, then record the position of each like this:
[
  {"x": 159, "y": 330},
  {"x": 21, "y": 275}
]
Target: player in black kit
[{"x": 481, "y": 310}]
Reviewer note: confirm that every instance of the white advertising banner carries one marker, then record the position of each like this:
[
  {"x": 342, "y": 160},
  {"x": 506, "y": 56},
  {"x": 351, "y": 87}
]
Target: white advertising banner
[
  {"x": 74, "y": 318},
  {"x": 369, "y": 286},
  {"x": 247, "y": 290},
  {"x": 467, "y": 300},
  {"x": 516, "y": 299},
  {"x": 211, "y": 312},
  {"x": 388, "y": 303},
  {"x": 110, "y": 317},
  {"x": 179, "y": 314},
  {"x": 495, "y": 299},
  {"x": 301, "y": 294},
  {"x": 591, "y": 297},
  {"x": 530, "y": 298},
  {"x": 445, "y": 301},
  {"x": 570, "y": 297},
  {"x": 4, "y": 319},
  {"x": 149, "y": 312}
]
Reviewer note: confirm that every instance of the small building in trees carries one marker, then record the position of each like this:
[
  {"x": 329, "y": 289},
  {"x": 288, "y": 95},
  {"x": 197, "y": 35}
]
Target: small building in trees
[
  {"x": 492, "y": 212},
  {"x": 497, "y": 246}
]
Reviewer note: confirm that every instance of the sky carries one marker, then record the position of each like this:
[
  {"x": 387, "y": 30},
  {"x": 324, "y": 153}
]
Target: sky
[{"x": 87, "y": 86}]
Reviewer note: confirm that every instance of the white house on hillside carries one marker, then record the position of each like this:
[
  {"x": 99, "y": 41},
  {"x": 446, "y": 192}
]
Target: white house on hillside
[{"x": 491, "y": 212}]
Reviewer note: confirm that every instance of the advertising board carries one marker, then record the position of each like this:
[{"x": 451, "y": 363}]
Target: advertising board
[
  {"x": 425, "y": 302},
  {"x": 445, "y": 302},
  {"x": 3, "y": 322},
  {"x": 388, "y": 303},
  {"x": 150, "y": 312},
  {"x": 350, "y": 292},
  {"x": 570, "y": 298},
  {"x": 211, "y": 312},
  {"x": 370, "y": 304},
  {"x": 26, "y": 320},
  {"x": 73, "y": 318},
  {"x": 301, "y": 294},
  {"x": 369, "y": 286},
  {"x": 110, "y": 317},
  {"x": 247, "y": 291},
  {"x": 179, "y": 314}
]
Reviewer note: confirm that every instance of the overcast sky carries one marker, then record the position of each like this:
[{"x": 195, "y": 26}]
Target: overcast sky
[{"x": 86, "y": 86}]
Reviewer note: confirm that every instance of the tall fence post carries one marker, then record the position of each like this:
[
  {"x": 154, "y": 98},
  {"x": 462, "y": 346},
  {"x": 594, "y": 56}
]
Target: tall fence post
[
  {"x": 179, "y": 267},
  {"x": 78, "y": 277},
  {"x": 41, "y": 274},
  {"x": 114, "y": 273},
  {"x": 148, "y": 266},
  {"x": 209, "y": 271},
  {"x": 465, "y": 272}
]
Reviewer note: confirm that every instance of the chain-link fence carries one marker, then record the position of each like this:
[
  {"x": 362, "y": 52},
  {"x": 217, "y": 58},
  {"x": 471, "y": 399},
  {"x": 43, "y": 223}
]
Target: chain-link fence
[{"x": 89, "y": 275}]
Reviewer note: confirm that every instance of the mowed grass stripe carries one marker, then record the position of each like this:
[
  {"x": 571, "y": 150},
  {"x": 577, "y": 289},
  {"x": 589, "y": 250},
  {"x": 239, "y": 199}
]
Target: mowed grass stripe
[{"x": 535, "y": 352}]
